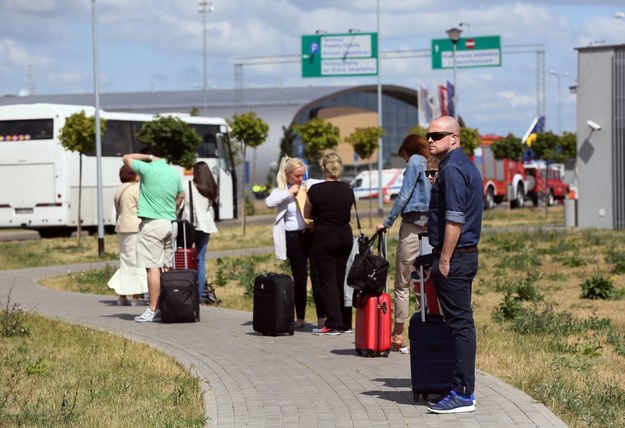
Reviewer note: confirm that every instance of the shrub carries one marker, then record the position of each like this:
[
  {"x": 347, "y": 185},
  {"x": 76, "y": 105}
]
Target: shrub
[
  {"x": 13, "y": 319},
  {"x": 597, "y": 287},
  {"x": 617, "y": 259},
  {"x": 508, "y": 310}
]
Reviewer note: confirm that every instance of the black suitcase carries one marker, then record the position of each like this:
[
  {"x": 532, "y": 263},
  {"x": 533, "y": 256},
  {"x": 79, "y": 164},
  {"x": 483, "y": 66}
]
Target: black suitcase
[
  {"x": 179, "y": 299},
  {"x": 431, "y": 356},
  {"x": 274, "y": 303},
  {"x": 431, "y": 343}
]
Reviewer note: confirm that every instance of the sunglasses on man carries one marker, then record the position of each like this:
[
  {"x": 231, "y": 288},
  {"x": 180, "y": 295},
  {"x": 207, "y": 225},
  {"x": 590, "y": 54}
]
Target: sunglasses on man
[{"x": 435, "y": 136}]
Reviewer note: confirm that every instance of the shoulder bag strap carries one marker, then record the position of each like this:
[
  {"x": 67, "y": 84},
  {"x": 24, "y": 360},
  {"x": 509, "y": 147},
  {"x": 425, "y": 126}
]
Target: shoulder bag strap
[
  {"x": 191, "y": 214},
  {"x": 356, "y": 209}
]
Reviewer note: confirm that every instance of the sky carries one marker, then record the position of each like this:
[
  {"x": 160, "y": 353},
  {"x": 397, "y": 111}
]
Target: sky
[{"x": 46, "y": 46}]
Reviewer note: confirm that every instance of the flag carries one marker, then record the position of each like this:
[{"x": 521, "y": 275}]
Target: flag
[
  {"x": 451, "y": 92},
  {"x": 443, "y": 97},
  {"x": 537, "y": 126},
  {"x": 425, "y": 104}
]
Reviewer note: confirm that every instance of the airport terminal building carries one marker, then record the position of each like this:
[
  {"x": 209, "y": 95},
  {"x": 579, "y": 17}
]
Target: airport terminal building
[{"x": 347, "y": 107}]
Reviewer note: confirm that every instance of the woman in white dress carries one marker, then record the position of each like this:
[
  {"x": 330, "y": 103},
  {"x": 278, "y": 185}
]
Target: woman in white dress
[{"x": 128, "y": 280}]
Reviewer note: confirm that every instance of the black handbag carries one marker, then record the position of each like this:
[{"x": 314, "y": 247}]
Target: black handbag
[{"x": 369, "y": 271}]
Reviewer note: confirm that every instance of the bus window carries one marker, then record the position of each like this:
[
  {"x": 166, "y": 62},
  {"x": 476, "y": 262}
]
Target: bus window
[
  {"x": 120, "y": 137},
  {"x": 26, "y": 129},
  {"x": 208, "y": 144}
]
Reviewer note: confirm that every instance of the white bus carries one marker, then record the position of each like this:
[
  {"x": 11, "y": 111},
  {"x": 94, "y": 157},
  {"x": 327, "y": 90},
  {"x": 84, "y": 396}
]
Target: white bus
[{"x": 39, "y": 178}]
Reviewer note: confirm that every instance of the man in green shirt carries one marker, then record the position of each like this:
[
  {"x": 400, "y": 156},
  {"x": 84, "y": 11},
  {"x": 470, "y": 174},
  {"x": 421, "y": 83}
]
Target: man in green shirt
[{"x": 160, "y": 195}]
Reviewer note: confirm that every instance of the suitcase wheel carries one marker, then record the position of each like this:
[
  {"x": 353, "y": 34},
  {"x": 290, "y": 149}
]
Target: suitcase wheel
[
  {"x": 265, "y": 333},
  {"x": 291, "y": 331},
  {"x": 415, "y": 396},
  {"x": 359, "y": 351},
  {"x": 385, "y": 353}
]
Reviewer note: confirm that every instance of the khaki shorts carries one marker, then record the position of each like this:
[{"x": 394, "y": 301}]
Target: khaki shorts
[{"x": 154, "y": 243}]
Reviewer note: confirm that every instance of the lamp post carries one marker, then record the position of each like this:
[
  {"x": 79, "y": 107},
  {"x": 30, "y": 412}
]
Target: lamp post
[
  {"x": 553, "y": 73},
  {"x": 98, "y": 138},
  {"x": 454, "y": 36},
  {"x": 206, "y": 7}
]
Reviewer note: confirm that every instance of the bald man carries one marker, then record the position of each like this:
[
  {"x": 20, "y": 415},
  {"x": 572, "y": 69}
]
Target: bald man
[{"x": 454, "y": 225}]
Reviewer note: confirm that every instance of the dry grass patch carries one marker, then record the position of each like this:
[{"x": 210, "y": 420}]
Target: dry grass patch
[{"x": 69, "y": 375}]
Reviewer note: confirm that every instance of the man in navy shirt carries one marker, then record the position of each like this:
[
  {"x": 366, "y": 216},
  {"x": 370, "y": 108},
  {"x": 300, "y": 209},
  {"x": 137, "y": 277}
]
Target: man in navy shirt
[{"x": 454, "y": 226}]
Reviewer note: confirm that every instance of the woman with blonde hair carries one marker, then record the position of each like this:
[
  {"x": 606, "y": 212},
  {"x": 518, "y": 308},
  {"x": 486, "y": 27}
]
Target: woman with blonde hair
[
  {"x": 291, "y": 236},
  {"x": 329, "y": 205}
]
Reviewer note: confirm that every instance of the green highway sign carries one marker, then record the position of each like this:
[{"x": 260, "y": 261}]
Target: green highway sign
[
  {"x": 333, "y": 55},
  {"x": 470, "y": 52}
]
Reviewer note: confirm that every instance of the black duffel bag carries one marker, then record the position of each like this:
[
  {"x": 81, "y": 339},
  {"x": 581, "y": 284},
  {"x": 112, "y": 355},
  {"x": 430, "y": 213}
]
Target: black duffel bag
[{"x": 369, "y": 271}]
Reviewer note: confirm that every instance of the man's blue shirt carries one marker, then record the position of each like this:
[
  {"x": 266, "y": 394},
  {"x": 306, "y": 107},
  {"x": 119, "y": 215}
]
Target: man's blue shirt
[{"x": 456, "y": 197}]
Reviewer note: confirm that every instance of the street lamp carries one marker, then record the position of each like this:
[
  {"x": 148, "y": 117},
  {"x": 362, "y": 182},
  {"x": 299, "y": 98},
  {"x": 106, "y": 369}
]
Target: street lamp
[
  {"x": 454, "y": 36},
  {"x": 206, "y": 7},
  {"x": 557, "y": 76}
]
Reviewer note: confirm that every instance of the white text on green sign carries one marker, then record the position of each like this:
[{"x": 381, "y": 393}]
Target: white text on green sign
[
  {"x": 352, "y": 54},
  {"x": 470, "y": 52}
]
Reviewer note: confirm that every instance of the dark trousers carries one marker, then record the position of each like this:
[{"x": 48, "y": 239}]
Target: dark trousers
[
  {"x": 331, "y": 250},
  {"x": 454, "y": 294},
  {"x": 298, "y": 251}
]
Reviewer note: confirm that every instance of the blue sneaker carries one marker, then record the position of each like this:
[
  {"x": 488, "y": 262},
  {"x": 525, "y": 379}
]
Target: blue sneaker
[{"x": 453, "y": 403}]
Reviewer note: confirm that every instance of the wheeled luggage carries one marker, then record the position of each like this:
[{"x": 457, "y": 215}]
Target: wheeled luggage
[
  {"x": 274, "y": 304},
  {"x": 179, "y": 299},
  {"x": 373, "y": 325},
  {"x": 374, "y": 317},
  {"x": 431, "y": 342}
]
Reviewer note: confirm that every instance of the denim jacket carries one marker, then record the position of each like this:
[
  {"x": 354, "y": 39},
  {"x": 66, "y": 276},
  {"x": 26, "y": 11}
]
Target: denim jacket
[{"x": 414, "y": 195}]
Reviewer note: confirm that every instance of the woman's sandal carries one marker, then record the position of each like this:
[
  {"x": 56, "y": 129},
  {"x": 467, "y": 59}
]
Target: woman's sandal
[{"x": 397, "y": 342}]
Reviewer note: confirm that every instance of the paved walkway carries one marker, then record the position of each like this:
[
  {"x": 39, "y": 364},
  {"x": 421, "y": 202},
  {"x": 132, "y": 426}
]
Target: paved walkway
[{"x": 285, "y": 381}]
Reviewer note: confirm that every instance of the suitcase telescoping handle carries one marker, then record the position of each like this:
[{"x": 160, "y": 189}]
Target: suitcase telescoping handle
[
  {"x": 422, "y": 238},
  {"x": 174, "y": 243}
]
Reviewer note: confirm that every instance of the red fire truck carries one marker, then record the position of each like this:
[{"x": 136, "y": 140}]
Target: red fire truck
[
  {"x": 503, "y": 179},
  {"x": 554, "y": 190}
]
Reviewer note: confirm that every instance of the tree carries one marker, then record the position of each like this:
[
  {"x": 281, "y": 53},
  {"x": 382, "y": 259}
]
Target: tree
[
  {"x": 317, "y": 136},
  {"x": 78, "y": 135},
  {"x": 418, "y": 130},
  {"x": 552, "y": 148},
  {"x": 173, "y": 139},
  {"x": 365, "y": 142},
  {"x": 508, "y": 147},
  {"x": 249, "y": 130},
  {"x": 470, "y": 140}
]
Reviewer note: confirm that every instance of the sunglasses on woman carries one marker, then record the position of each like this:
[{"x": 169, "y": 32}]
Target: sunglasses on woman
[{"x": 431, "y": 173}]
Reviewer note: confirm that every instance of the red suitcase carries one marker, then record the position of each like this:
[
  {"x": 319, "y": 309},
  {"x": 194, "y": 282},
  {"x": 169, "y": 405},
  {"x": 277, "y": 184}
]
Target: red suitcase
[
  {"x": 373, "y": 325},
  {"x": 374, "y": 319},
  {"x": 185, "y": 258}
]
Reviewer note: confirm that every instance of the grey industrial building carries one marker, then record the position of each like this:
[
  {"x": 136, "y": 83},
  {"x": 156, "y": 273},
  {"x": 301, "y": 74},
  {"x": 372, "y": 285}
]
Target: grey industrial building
[
  {"x": 601, "y": 136},
  {"x": 348, "y": 107}
]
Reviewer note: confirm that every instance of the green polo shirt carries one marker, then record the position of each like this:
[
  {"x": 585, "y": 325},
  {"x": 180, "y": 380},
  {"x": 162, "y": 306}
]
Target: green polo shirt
[{"x": 160, "y": 184}]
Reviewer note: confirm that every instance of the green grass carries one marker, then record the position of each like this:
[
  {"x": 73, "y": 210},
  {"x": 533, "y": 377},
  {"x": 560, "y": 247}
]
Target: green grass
[{"x": 58, "y": 374}]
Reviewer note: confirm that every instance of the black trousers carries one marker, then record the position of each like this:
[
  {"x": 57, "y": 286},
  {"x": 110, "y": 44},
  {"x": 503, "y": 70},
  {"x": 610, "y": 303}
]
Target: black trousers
[
  {"x": 298, "y": 251},
  {"x": 454, "y": 294},
  {"x": 330, "y": 251}
]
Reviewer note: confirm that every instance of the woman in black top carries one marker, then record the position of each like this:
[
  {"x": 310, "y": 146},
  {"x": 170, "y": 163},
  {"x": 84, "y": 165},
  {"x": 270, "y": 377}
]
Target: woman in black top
[{"x": 329, "y": 205}]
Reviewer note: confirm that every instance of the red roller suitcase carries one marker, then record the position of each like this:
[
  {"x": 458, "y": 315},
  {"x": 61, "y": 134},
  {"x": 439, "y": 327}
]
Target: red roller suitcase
[
  {"x": 373, "y": 325},
  {"x": 374, "y": 320}
]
